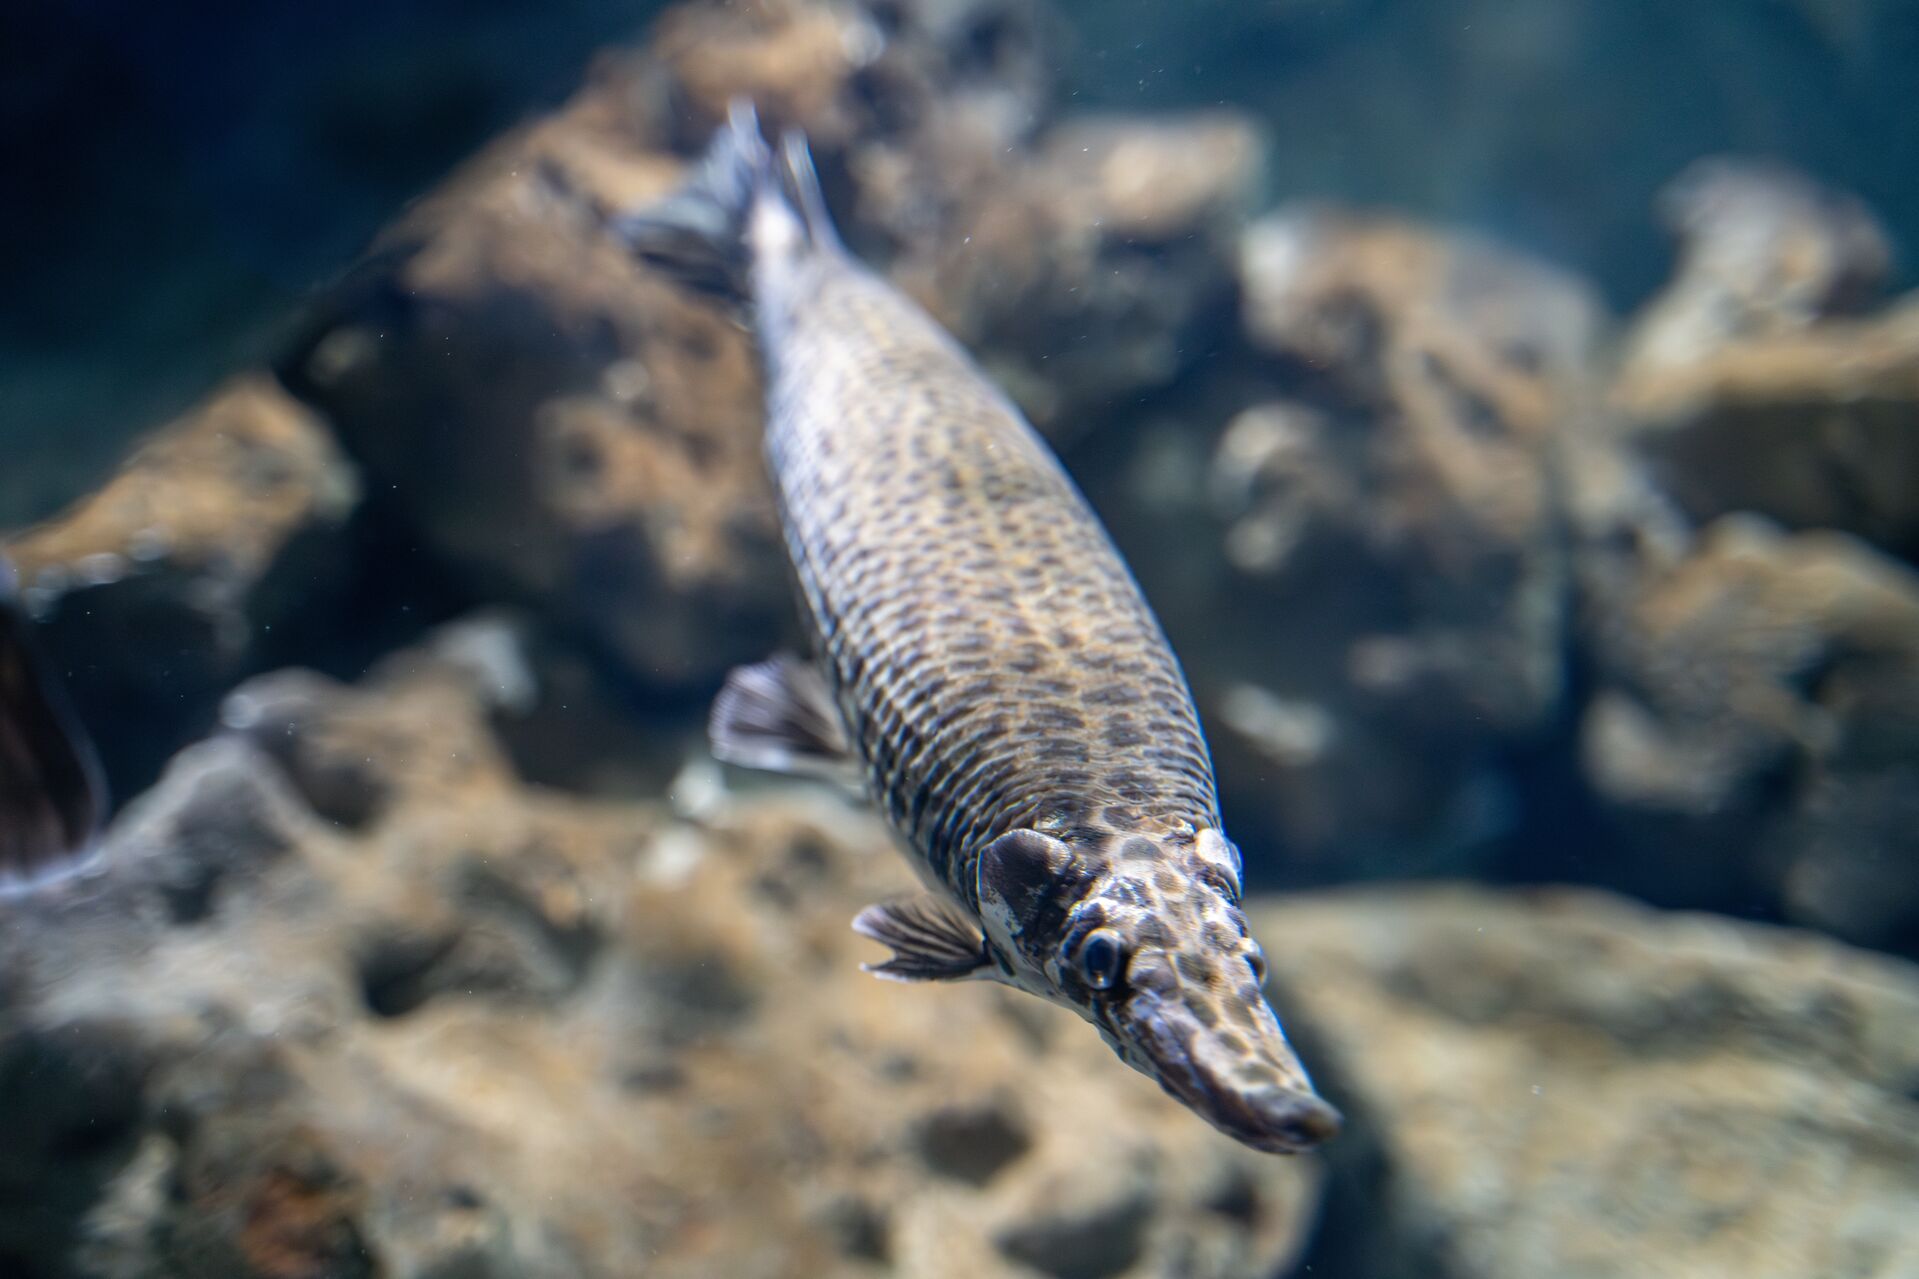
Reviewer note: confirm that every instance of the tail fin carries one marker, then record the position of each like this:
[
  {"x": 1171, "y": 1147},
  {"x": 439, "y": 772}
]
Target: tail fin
[
  {"x": 52, "y": 798},
  {"x": 699, "y": 233}
]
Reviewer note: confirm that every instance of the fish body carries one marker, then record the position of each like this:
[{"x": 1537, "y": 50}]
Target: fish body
[
  {"x": 51, "y": 794},
  {"x": 986, "y": 665}
]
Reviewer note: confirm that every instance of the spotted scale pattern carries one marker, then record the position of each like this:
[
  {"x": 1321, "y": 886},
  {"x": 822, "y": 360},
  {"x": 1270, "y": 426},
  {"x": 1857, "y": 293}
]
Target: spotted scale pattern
[{"x": 996, "y": 663}]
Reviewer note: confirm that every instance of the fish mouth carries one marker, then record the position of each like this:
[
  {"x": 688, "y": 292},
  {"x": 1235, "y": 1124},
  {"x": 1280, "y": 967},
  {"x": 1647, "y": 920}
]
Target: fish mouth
[{"x": 1250, "y": 1087}]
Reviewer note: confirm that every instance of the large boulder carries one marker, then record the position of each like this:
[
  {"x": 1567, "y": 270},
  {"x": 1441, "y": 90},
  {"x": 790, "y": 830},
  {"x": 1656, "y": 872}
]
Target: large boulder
[
  {"x": 559, "y": 425},
  {"x": 349, "y": 999},
  {"x": 1566, "y": 1083},
  {"x": 568, "y": 429},
  {"x": 1759, "y": 379},
  {"x": 1754, "y": 731},
  {"x": 1390, "y": 558},
  {"x": 185, "y": 570},
  {"x": 1093, "y": 267}
]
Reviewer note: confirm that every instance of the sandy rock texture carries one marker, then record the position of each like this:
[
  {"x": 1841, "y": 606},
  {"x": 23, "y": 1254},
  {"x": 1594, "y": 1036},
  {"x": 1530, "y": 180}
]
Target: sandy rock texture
[
  {"x": 352, "y": 1000},
  {"x": 1377, "y": 475},
  {"x": 1565, "y": 1083},
  {"x": 1440, "y": 368},
  {"x": 1764, "y": 378},
  {"x": 558, "y": 425},
  {"x": 1759, "y": 728},
  {"x": 1095, "y": 267},
  {"x": 1748, "y": 601}
]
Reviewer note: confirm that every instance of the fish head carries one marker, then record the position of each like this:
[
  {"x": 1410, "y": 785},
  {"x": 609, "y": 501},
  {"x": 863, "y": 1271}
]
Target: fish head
[{"x": 1143, "y": 936}]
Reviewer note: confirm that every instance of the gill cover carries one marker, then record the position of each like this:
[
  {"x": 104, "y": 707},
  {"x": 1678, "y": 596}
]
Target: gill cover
[{"x": 1027, "y": 882}]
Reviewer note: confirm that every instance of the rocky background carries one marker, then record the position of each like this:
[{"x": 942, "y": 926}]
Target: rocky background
[{"x": 429, "y": 943}]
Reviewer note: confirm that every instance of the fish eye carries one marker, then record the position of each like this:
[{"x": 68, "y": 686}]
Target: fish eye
[
  {"x": 1100, "y": 958},
  {"x": 1256, "y": 960}
]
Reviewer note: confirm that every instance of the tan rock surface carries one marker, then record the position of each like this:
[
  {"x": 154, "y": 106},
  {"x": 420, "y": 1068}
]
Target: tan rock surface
[
  {"x": 161, "y": 588},
  {"x": 1758, "y": 725},
  {"x": 1396, "y": 516},
  {"x": 348, "y": 999},
  {"x": 1757, "y": 380},
  {"x": 1563, "y": 1083},
  {"x": 1764, "y": 251},
  {"x": 217, "y": 494},
  {"x": 562, "y": 426},
  {"x": 1451, "y": 366},
  {"x": 570, "y": 430},
  {"x": 1082, "y": 269}
]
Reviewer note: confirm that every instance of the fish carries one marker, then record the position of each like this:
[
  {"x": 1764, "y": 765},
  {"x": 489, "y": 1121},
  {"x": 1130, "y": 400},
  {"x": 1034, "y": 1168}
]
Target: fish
[
  {"x": 52, "y": 796},
  {"x": 984, "y": 664}
]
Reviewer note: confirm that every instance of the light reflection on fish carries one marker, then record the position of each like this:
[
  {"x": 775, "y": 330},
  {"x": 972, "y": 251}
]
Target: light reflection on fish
[
  {"x": 51, "y": 795},
  {"x": 986, "y": 666}
]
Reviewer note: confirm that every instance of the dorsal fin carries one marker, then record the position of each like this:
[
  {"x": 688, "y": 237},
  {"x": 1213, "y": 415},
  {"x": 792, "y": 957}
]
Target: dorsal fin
[
  {"x": 697, "y": 234},
  {"x": 800, "y": 186},
  {"x": 694, "y": 234}
]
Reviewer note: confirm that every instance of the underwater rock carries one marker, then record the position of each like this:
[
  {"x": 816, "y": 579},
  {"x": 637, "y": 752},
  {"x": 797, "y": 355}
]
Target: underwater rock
[
  {"x": 1393, "y": 531},
  {"x": 1758, "y": 380},
  {"x": 1763, "y": 251},
  {"x": 915, "y": 109},
  {"x": 573, "y": 432},
  {"x": 860, "y": 77},
  {"x": 1562, "y": 1083},
  {"x": 1438, "y": 371},
  {"x": 562, "y": 426},
  {"x": 364, "y": 1003},
  {"x": 159, "y": 589},
  {"x": 1755, "y": 727},
  {"x": 1084, "y": 272},
  {"x": 1078, "y": 259}
]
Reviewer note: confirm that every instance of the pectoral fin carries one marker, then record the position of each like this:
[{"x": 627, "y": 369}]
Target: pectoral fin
[
  {"x": 778, "y": 715},
  {"x": 930, "y": 940}
]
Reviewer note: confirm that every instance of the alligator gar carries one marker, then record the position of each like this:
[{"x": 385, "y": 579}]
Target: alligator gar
[{"x": 983, "y": 662}]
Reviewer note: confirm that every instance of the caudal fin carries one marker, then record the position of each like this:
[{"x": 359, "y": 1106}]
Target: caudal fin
[
  {"x": 52, "y": 798},
  {"x": 699, "y": 234}
]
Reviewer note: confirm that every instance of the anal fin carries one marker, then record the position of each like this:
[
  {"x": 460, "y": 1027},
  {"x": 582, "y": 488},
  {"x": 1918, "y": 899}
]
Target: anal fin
[
  {"x": 779, "y": 716},
  {"x": 930, "y": 940}
]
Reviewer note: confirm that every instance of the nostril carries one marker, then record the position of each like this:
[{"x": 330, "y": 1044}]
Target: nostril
[
  {"x": 1302, "y": 1123},
  {"x": 1307, "y": 1124}
]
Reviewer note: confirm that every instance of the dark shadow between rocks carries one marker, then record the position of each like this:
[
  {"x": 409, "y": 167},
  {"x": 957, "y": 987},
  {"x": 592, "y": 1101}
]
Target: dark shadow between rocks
[
  {"x": 1097, "y": 1245},
  {"x": 973, "y": 1144}
]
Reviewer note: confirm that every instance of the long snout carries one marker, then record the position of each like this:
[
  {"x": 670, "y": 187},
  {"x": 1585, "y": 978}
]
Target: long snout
[{"x": 1240, "y": 1075}]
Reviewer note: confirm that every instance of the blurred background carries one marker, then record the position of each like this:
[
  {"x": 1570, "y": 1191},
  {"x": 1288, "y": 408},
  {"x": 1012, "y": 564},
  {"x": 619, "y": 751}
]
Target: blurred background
[
  {"x": 185, "y": 178},
  {"x": 1512, "y": 410}
]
